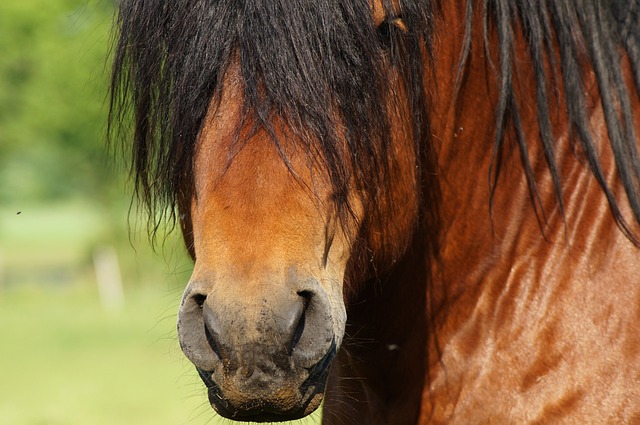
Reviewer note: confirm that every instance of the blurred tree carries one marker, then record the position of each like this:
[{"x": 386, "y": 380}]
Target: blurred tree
[
  {"x": 53, "y": 86},
  {"x": 62, "y": 192}
]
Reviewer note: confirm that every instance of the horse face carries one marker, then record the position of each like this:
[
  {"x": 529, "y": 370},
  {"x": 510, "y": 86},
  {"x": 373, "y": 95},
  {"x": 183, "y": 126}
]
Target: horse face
[{"x": 263, "y": 314}]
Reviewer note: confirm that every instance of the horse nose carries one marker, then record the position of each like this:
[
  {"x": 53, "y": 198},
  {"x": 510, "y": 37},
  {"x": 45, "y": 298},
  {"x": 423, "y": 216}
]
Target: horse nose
[
  {"x": 276, "y": 329},
  {"x": 262, "y": 351}
]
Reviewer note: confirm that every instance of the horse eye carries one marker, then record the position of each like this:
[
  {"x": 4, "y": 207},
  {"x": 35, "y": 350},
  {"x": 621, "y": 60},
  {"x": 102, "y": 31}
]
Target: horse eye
[
  {"x": 385, "y": 29},
  {"x": 384, "y": 34}
]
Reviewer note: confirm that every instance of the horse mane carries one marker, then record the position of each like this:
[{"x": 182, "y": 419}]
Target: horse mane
[
  {"x": 298, "y": 56},
  {"x": 580, "y": 38},
  {"x": 315, "y": 66}
]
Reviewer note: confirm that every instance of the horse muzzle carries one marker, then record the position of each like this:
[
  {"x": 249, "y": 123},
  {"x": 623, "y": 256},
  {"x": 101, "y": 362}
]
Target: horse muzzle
[{"x": 263, "y": 353}]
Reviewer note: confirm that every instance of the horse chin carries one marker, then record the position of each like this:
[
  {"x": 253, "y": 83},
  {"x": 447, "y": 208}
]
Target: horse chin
[
  {"x": 267, "y": 411},
  {"x": 267, "y": 397}
]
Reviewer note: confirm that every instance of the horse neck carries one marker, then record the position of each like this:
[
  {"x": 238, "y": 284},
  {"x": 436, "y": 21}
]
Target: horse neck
[
  {"x": 503, "y": 252},
  {"x": 482, "y": 222}
]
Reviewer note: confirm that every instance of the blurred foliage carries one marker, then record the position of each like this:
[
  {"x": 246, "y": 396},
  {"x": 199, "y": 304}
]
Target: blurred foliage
[
  {"x": 63, "y": 192},
  {"x": 53, "y": 88}
]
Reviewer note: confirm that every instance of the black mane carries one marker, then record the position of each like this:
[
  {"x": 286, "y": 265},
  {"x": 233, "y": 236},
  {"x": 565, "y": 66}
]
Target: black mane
[
  {"x": 301, "y": 61},
  {"x": 299, "y": 56},
  {"x": 588, "y": 36}
]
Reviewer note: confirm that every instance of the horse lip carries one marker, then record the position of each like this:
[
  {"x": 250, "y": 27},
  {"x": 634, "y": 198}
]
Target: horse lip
[
  {"x": 313, "y": 385},
  {"x": 257, "y": 414},
  {"x": 213, "y": 393},
  {"x": 319, "y": 372},
  {"x": 206, "y": 378},
  {"x": 261, "y": 414}
]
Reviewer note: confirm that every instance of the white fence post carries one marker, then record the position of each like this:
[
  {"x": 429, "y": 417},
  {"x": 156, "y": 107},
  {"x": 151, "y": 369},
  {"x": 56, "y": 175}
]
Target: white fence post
[
  {"x": 105, "y": 260},
  {"x": 2, "y": 277}
]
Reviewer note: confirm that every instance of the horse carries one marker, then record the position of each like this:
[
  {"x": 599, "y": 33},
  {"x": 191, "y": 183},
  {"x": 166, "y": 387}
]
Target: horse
[{"x": 409, "y": 211}]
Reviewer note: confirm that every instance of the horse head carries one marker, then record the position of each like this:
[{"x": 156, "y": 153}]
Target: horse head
[{"x": 284, "y": 221}]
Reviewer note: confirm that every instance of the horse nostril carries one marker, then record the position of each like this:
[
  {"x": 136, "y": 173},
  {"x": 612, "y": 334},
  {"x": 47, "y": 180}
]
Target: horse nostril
[
  {"x": 199, "y": 299},
  {"x": 193, "y": 334},
  {"x": 212, "y": 341},
  {"x": 297, "y": 334}
]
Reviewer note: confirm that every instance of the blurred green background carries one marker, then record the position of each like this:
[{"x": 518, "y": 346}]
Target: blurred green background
[{"x": 87, "y": 308}]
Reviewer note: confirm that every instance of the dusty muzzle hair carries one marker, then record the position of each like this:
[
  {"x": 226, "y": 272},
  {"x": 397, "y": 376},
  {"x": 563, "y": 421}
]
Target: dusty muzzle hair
[{"x": 263, "y": 356}]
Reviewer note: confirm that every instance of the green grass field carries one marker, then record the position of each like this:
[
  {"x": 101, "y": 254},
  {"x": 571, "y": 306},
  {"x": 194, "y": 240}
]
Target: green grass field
[{"x": 64, "y": 359}]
